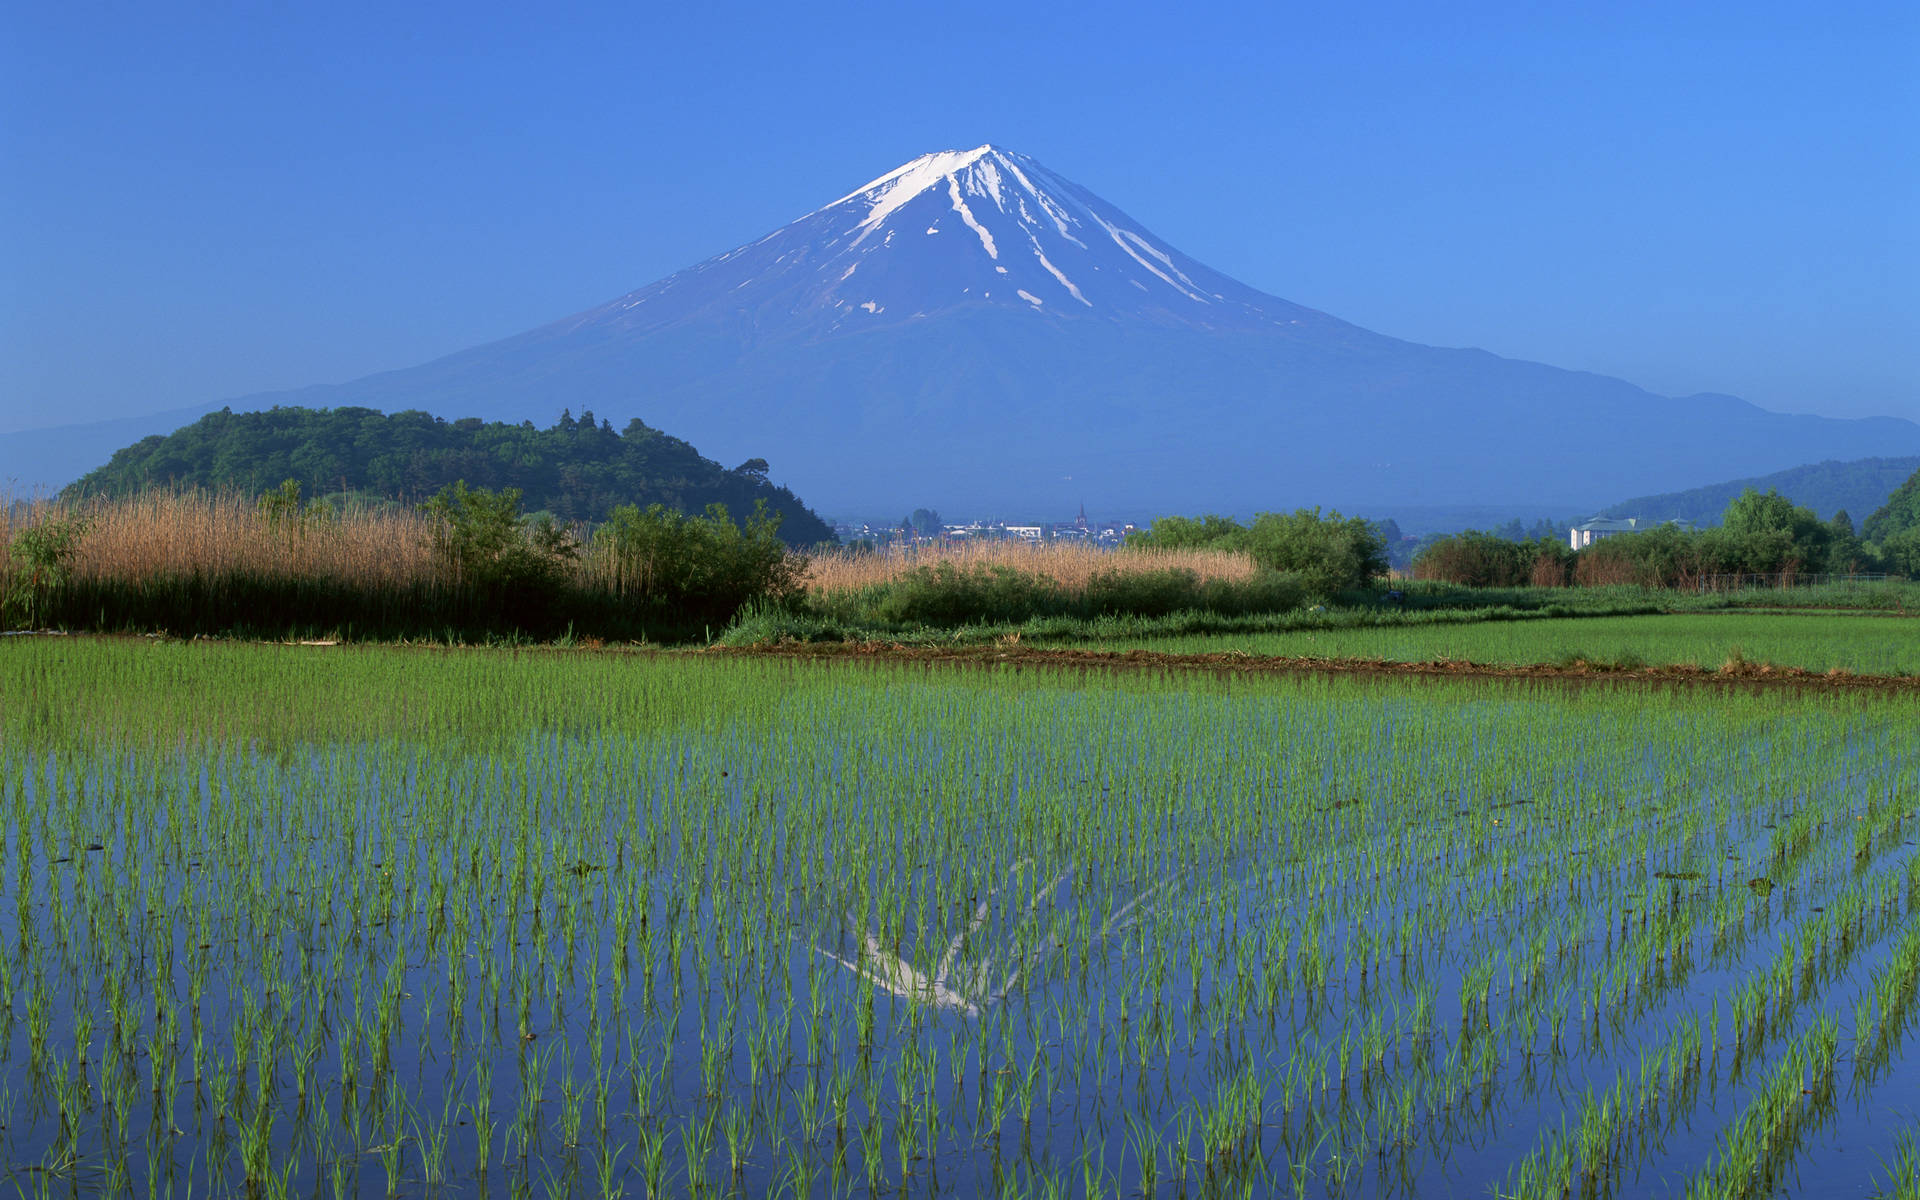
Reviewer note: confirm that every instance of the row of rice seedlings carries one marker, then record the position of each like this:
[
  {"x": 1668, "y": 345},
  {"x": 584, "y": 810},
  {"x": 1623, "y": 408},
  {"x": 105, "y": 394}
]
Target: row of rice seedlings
[
  {"x": 1762, "y": 1140},
  {"x": 1668, "y": 1084}
]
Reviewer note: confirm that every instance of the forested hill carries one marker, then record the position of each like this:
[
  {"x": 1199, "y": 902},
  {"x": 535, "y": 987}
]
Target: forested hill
[
  {"x": 577, "y": 470},
  {"x": 1859, "y": 487},
  {"x": 1900, "y": 514}
]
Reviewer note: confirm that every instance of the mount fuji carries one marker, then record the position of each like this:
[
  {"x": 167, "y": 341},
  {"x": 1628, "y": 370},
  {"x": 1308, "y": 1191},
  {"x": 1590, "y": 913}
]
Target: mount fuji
[{"x": 974, "y": 332}]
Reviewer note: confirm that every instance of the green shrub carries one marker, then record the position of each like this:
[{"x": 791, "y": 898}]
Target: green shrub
[
  {"x": 41, "y": 557},
  {"x": 1143, "y": 593},
  {"x": 699, "y": 570},
  {"x": 947, "y": 595},
  {"x": 1901, "y": 551},
  {"x": 1328, "y": 554},
  {"x": 483, "y": 537},
  {"x": 763, "y": 623},
  {"x": 1265, "y": 592},
  {"x": 1477, "y": 559}
]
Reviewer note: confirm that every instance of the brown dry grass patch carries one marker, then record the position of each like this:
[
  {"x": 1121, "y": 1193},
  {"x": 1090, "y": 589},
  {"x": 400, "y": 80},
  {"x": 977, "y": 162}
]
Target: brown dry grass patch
[
  {"x": 163, "y": 534},
  {"x": 1071, "y": 564}
]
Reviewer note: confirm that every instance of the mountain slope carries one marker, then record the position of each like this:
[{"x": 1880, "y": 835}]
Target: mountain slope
[
  {"x": 1859, "y": 487},
  {"x": 976, "y": 333}
]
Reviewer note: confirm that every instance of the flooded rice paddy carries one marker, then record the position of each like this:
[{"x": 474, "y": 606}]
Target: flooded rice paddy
[{"x": 367, "y": 922}]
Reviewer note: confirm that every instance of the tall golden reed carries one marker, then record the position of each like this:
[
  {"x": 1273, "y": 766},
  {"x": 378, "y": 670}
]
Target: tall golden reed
[
  {"x": 170, "y": 534},
  {"x": 1071, "y": 564}
]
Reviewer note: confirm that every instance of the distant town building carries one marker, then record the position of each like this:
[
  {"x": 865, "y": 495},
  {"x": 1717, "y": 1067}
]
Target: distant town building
[
  {"x": 1584, "y": 535},
  {"x": 1081, "y": 529}
]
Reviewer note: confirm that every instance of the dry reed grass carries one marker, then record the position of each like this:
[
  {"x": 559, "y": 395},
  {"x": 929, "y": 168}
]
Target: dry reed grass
[
  {"x": 163, "y": 534},
  {"x": 190, "y": 562},
  {"x": 1070, "y": 564}
]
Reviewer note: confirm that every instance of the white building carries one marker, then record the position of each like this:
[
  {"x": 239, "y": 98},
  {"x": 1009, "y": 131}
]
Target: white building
[{"x": 1584, "y": 535}]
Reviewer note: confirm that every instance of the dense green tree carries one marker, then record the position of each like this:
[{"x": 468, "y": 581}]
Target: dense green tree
[
  {"x": 1899, "y": 514},
  {"x": 1329, "y": 553},
  {"x": 1187, "y": 533},
  {"x": 1757, "y": 521},
  {"x": 578, "y": 470},
  {"x": 1846, "y": 553},
  {"x": 1901, "y": 552}
]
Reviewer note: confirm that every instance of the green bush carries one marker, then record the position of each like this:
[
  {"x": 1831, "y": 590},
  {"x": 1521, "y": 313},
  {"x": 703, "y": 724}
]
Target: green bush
[
  {"x": 1266, "y": 592},
  {"x": 764, "y": 623},
  {"x": 483, "y": 537},
  {"x": 40, "y": 557},
  {"x": 1479, "y": 559},
  {"x": 1143, "y": 593},
  {"x": 519, "y": 565},
  {"x": 947, "y": 595},
  {"x": 1901, "y": 552},
  {"x": 699, "y": 570},
  {"x": 1328, "y": 554}
]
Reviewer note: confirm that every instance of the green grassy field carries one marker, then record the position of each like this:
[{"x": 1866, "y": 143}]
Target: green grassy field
[
  {"x": 365, "y": 920},
  {"x": 1815, "y": 641}
]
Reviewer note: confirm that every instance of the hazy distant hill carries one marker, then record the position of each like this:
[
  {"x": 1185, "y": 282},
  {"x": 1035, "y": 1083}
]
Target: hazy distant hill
[
  {"x": 1860, "y": 487},
  {"x": 42, "y": 461},
  {"x": 577, "y": 470}
]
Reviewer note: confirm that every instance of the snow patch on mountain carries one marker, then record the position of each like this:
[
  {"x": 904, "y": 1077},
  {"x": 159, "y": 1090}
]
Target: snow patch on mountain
[
  {"x": 966, "y": 214},
  {"x": 1072, "y": 288}
]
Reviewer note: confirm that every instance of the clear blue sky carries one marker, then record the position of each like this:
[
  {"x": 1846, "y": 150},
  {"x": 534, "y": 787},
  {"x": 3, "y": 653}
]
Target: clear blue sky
[{"x": 199, "y": 202}]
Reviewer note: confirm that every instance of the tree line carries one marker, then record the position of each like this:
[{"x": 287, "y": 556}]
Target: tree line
[
  {"x": 579, "y": 470},
  {"x": 1760, "y": 533}
]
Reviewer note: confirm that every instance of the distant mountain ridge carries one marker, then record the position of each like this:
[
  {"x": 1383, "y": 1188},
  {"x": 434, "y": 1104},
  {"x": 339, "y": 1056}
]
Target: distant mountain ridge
[
  {"x": 974, "y": 332},
  {"x": 1860, "y": 488},
  {"x": 578, "y": 470},
  {"x": 45, "y": 459}
]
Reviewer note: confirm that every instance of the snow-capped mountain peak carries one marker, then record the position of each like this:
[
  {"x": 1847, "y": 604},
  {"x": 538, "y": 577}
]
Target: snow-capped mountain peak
[
  {"x": 904, "y": 182},
  {"x": 956, "y": 229}
]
